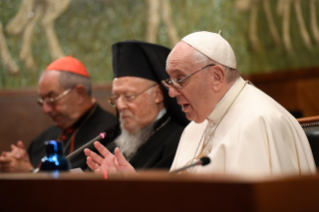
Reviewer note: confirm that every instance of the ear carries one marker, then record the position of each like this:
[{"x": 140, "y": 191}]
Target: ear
[
  {"x": 80, "y": 93},
  {"x": 158, "y": 94},
  {"x": 219, "y": 76}
]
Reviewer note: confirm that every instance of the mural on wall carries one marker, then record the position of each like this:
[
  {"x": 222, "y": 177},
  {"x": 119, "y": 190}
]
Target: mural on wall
[
  {"x": 23, "y": 23},
  {"x": 160, "y": 9},
  {"x": 6, "y": 57},
  {"x": 283, "y": 9},
  {"x": 267, "y": 35}
]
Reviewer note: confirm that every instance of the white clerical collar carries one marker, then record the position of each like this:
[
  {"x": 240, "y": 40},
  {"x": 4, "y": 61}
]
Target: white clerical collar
[
  {"x": 223, "y": 105},
  {"x": 160, "y": 114}
]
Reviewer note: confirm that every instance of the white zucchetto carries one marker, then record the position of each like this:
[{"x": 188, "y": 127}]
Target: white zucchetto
[{"x": 213, "y": 46}]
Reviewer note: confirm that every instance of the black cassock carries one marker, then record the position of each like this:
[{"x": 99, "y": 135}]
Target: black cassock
[
  {"x": 159, "y": 150},
  {"x": 145, "y": 60},
  {"x": 90, "y": 125}
]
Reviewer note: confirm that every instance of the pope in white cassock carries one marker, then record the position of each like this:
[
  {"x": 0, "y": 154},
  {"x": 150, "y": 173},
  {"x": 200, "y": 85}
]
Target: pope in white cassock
[{"x": 240, "y": 128}]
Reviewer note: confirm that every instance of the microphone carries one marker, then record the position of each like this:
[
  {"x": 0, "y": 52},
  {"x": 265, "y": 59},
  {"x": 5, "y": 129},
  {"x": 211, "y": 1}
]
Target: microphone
[
  {"x": 100, "y": 136},
  {"x": 203, "y": 162}
]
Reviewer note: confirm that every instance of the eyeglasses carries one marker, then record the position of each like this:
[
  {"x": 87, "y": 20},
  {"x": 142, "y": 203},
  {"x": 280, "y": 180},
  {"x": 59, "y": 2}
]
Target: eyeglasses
[
  {"x": 126, "y": 98},
  {"x": 51, "y": 101},
  {"x": 169, "y": 83}
]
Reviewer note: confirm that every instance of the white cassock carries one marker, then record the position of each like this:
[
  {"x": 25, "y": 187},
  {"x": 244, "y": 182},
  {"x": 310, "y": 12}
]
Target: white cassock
[{"x": 247, "y": 133}]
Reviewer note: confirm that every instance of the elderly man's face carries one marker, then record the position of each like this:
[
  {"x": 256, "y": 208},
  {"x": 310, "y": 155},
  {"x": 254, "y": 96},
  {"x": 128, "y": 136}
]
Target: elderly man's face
[
  {"x": 196, "y": 95},
  {"x": 64, "y": 111},
  {"x": 140, "y": 111}
]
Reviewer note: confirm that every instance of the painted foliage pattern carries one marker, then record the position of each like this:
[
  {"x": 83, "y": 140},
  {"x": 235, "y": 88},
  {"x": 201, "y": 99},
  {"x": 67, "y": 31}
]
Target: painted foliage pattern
[{"x": 267, "y": 35}]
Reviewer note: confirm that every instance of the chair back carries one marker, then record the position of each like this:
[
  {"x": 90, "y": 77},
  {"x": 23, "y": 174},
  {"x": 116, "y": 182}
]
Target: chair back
[{"x": 311, "y": 127}]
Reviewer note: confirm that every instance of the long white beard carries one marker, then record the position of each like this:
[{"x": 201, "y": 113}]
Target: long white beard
[{"x": 129, "y": 143}]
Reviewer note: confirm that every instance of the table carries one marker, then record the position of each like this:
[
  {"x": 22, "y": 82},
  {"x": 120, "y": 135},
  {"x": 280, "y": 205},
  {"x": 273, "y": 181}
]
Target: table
[{"x": 156, "y": 191}]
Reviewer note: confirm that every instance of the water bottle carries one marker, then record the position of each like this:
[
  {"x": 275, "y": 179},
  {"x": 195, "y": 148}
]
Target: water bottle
[{"x": 54, "y": 159}]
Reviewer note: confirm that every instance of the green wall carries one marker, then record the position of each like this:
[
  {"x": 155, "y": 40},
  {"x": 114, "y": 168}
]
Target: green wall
[{"x": 88, "y": 28}]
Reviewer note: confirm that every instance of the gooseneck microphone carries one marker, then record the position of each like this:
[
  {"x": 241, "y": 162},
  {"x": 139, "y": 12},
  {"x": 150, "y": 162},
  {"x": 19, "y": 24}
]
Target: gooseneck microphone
[
  {"x": 202, "y": 162},
  {"x": 100, "y": 136}
]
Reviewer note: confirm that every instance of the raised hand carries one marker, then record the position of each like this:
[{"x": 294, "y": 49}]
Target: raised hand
[{"x": 108, "y": 162}]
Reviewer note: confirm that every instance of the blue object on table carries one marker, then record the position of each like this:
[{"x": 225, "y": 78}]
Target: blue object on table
[{"x": 54, "y": 159}]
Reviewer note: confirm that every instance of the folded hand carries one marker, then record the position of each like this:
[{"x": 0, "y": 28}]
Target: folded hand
[{"x": 15, "y": 161}]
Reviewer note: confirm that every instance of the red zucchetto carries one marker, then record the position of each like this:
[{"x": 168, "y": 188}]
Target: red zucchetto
[{"x": 69, "y": 64}]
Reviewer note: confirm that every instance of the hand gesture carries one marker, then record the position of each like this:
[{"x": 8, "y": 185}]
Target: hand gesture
[{"x": 108, "y": 162}]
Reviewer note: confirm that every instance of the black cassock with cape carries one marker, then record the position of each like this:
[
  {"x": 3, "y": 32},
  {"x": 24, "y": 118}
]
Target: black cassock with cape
[
  {"x": 146, "y": 60},
  {"x": 91, "y": 124},
  {"x": 159, "y": 150}
]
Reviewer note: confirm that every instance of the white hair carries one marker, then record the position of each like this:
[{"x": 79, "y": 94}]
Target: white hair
[
  {"x": 198, "y": 57},
  {"x": 69, "y": 80}
]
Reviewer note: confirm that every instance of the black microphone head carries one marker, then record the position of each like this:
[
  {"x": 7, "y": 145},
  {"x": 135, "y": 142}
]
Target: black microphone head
[{"x": 205, "y": 161}]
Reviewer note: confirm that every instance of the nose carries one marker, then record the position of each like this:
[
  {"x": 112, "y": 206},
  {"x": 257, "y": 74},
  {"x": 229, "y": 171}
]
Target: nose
[
  {"x": 173, "y": 92},
  {"x": 46, "y": 108},
  {"x": 120, "y": 104}
]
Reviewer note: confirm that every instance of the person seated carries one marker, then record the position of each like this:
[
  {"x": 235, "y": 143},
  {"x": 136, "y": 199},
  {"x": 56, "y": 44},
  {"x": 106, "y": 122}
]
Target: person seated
[
  {"x": 241, "y": 129},
  {"x": 65, "y": 96},
  {"x": 151, "y": 123}
]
